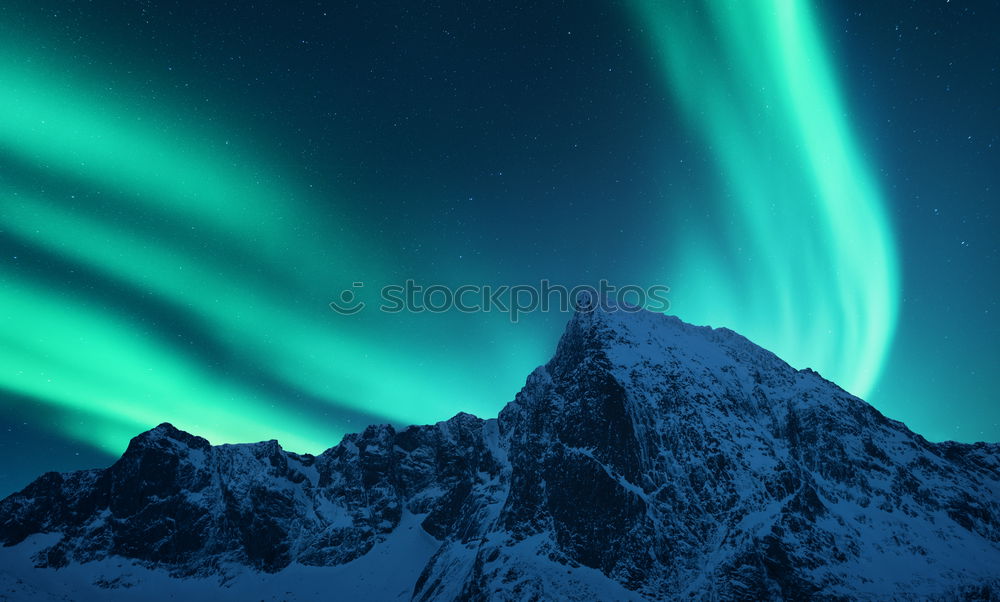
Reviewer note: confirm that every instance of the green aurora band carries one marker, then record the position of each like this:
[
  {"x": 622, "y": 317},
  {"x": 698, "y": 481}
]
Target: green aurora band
[
  {"x": 169, "y": 206},
  {"x": 806, "y": 265},
  {"x": 170, "y": 213}
]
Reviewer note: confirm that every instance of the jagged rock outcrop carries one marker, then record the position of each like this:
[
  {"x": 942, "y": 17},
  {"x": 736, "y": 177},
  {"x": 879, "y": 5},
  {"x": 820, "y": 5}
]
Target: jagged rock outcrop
[{"x": 649, "y": 459}]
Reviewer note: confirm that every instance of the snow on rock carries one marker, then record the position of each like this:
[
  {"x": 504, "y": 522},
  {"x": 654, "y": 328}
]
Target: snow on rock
[{"x": 648, "y": 460}]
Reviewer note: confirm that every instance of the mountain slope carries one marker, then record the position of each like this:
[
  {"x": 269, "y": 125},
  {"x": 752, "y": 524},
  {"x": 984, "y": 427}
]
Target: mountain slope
[{"x": 649, "y": 459}]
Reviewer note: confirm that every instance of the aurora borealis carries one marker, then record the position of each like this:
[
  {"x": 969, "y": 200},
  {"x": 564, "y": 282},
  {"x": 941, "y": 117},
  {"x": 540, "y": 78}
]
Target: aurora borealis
[
  {"x": 809, "y": 251},
  {"x": 185, "y": 188}
]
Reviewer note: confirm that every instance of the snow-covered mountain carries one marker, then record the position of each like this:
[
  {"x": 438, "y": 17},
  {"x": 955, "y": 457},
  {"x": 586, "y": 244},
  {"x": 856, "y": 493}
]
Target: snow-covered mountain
[{"x": 648, "y": 460}]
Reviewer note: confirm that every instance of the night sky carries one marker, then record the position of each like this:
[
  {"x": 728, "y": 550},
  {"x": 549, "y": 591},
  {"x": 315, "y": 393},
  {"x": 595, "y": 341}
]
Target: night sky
[{"x": 184, "y": 188}]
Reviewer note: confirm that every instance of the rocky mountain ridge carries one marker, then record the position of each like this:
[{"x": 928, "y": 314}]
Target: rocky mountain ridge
[{"x": 648, "y": 460}]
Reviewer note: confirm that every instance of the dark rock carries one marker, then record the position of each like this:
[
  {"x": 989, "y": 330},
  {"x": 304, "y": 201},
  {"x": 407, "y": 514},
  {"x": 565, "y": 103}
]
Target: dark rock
[{"x": 676, "y": 461}]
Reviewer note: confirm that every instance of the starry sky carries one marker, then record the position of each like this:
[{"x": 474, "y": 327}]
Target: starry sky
[{"x": 185, "y": 186}]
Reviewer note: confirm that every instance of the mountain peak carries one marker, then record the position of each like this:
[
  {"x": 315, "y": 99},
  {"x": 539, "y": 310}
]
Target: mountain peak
[
  {"x": 164, "y": 435},
  {"x": 630, "y": 324},
  {"x": 647, "y": 460},
  {"x": 632, "y": 339}
]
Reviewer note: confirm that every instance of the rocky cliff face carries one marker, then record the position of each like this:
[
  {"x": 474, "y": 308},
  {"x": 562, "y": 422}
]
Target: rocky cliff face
[{"x": 649, "y": 459}]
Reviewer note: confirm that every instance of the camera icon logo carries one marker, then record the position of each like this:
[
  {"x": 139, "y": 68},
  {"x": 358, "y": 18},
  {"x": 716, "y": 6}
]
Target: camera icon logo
[{"x": 348, "y": 303}]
